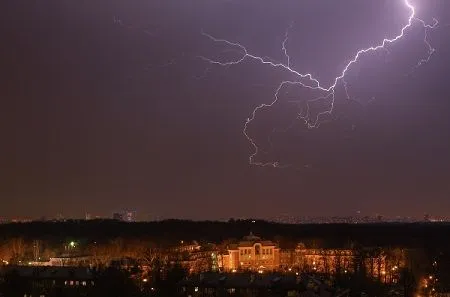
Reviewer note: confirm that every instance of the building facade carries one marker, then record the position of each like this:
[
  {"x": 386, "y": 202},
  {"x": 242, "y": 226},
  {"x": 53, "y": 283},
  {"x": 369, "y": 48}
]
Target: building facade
[
  {"x": 323, "y": 260},
  {"x": 251, "y": 253}
]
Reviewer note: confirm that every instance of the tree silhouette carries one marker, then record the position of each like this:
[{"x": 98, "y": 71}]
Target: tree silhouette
[
  {"x": 14, "y": 285},
  {"x": 114, "y": 282}
]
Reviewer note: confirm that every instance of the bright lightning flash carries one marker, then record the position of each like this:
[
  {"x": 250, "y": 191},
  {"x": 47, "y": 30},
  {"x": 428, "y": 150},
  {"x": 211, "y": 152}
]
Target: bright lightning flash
[{"x": 307, "y": 80}]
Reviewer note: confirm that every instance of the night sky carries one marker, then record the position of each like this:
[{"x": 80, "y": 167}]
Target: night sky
[{"x": 106, "y": 105}]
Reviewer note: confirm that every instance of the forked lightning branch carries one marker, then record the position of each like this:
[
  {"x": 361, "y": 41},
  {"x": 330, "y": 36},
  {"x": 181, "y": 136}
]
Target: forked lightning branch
[{"x": 307, "y": 80}]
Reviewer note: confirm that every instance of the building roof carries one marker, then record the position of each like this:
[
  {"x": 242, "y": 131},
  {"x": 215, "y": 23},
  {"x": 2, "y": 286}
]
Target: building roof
[
  {"x": 46, "y": 272},
  {"x": 261, "y": 281},
  {"x": 71, "y": 257},
  {"x": 243, "y": 280},
  {"x": 249, "y": 241},
  {"x": 252, "y": 237}
]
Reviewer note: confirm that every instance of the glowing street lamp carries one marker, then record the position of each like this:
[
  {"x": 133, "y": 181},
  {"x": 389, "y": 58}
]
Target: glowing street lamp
[{"x": 71, "y": 245}]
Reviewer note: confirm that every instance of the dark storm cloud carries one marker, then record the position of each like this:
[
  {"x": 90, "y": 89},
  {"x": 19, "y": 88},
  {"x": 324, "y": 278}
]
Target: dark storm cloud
[{"x": 106, "y": 106}]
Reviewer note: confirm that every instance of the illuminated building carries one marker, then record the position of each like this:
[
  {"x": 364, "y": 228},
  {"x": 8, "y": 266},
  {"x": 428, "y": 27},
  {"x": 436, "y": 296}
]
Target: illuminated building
[
  {"x": 251, "y": 253},
  {"x": 117, "y": 216},
  {"x": 187, "y": 247},
  {"x": 129, "y": 216},
  {"x": 286, "y": 259},
  {"x": 194, "y": 257},
  {"x": 382, "y": 264},
  {"x": 125, "y": 216},
  {"x": 323, "y": 260}
]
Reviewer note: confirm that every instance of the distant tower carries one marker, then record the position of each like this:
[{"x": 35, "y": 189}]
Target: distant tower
[
  {"x": 117, "y": 216},
  {"x": 125, "y": 216},
  {"x": 88, "y": 216},
  {"x": 130, "y": 216},
  {"x": 59, "y": 217}
]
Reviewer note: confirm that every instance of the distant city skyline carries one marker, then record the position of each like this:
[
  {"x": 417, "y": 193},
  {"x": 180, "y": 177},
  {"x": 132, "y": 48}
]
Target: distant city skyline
[{"x": 131, "y": 216}]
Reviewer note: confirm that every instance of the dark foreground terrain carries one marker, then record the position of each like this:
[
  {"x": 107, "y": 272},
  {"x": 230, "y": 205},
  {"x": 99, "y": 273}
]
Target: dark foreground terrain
[{"x": 186, "y": 258}]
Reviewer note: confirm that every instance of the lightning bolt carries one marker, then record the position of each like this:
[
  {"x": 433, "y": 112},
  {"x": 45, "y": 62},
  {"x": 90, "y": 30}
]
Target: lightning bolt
[{"x": 307, "y": 80}]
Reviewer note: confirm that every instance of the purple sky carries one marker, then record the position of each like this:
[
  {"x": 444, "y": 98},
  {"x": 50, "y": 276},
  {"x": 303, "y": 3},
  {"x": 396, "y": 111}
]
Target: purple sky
[{"x": 106, "y": 106}]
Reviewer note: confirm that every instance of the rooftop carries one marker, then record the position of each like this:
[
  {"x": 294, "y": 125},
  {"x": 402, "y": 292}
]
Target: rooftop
[
  {"x": 242, "y": 280},
  {"x": 46, "y": 272}
]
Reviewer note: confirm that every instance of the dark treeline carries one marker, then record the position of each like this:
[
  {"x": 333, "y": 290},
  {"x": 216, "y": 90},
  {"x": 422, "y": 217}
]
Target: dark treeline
[{"x": 413, "y": 235}]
